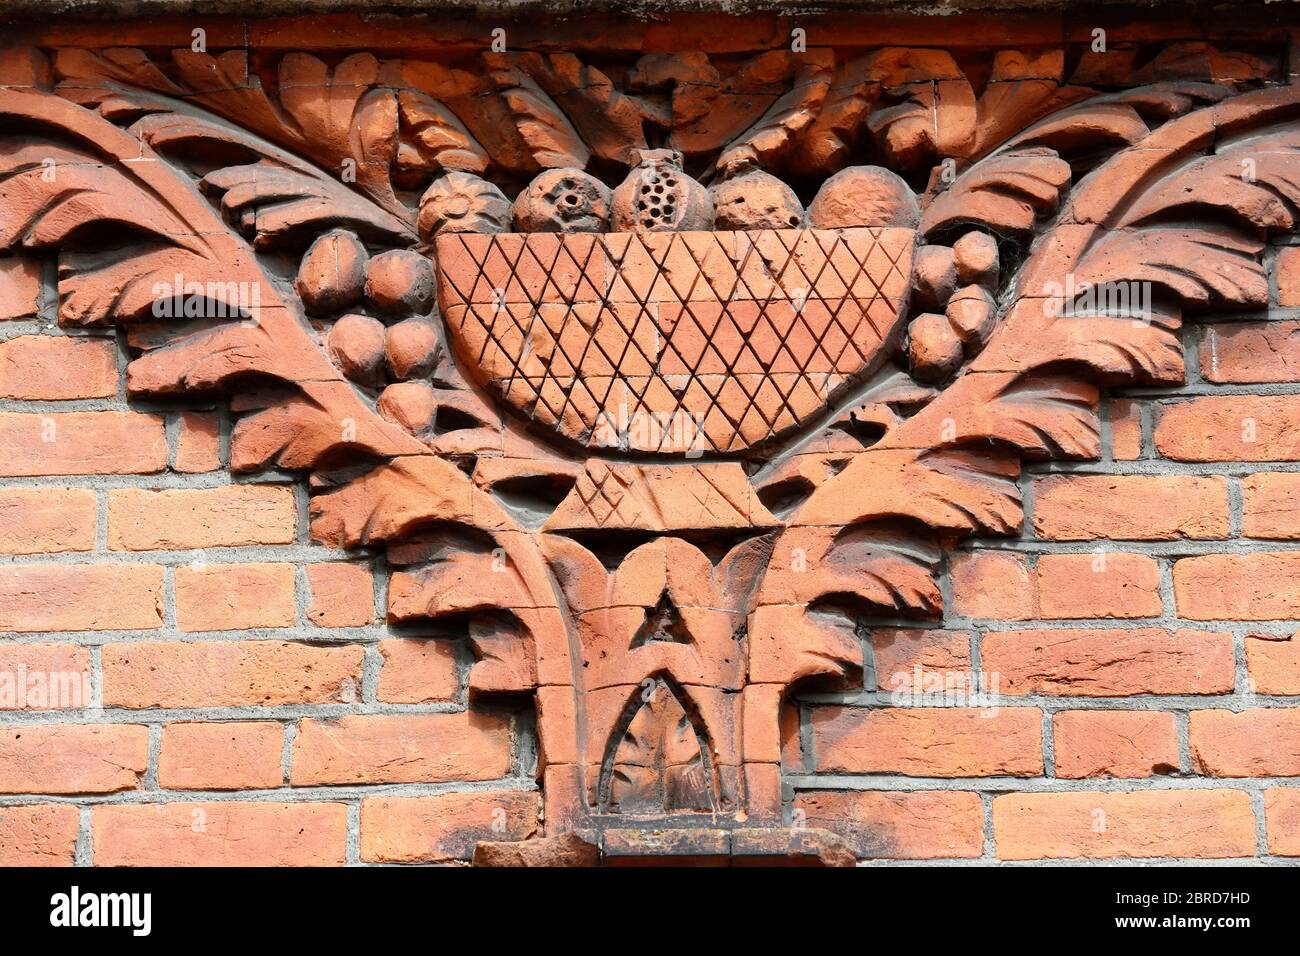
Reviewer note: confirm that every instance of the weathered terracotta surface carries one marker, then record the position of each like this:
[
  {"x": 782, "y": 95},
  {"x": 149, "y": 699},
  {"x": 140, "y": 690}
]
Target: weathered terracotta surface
[{"x": 661, "y": 442}]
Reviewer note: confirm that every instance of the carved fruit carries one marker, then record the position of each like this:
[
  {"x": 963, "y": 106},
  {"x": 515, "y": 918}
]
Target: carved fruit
[
  {"x": 356, "y": 344},
  {"x": 755, "y": 200},
  {"x": 976, "y": 257},
  {"x": 933, "y": 349},
  {"x": 562, "y": 200},
  {"x": 411, "y": 349},
  {"x": 972, "y": 314},
  {"x": 462, "y": 202},
  {"x": 400, "y": 282},
  {"x": 657, "y": 196},
  {"x": 411, "y": 405},
  {"x": 864, "y": 196},
  {"x": 332, "y": 274},
  {"x": 934, "y": 276}
]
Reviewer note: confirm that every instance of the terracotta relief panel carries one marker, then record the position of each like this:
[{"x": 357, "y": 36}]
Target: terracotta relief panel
[{"x": 660, "y": 374}]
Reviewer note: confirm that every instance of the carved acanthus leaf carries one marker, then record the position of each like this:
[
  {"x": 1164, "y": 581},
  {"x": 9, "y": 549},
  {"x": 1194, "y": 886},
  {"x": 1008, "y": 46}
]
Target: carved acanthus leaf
[{"x": 542, "y": 125}]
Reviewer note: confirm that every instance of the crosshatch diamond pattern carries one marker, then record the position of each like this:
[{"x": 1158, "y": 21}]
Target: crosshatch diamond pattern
[{"x": 682, "y": 342}]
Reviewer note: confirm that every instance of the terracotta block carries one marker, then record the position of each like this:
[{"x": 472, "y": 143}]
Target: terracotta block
[
  {"x": 1274, "y": 663},
  {"x": 70, "y": 597},
  {"x": 232, "y": 597},
  {"x": 41, "y": 835},
  {"x": 1114, "y": 743},
  {"x": 181, "y": 519},
  {"x": 931, "y": 824},
  {"x": 237, "y": 755},
  {"x": 57, "y": 368},
  {"x": 1253, "y": 743},
  {"x": 1130, "y": 507},
  {"x": 445, "y": 827},
  {"x": 72, "y": 758},
  {"x": 993, "y": 585},
  {"x": 1259, "y": 586},
  {"x": 42, "y": 520},
  {"x": 1098, "y": 585},
  {"x": 1270, "y": 505},
  {"x": 418, "y": 672},
  {"x": 81, "y": 443},
  {"x": 198, "y": 444},
  {"x": 342, "y": 595}
]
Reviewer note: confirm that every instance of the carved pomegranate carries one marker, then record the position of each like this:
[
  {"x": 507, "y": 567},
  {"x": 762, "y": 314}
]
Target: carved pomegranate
[
  {"x": 755, "y": 200},
  {"x": 657, "y": 196},
  {"x": 562, "y": 200}
]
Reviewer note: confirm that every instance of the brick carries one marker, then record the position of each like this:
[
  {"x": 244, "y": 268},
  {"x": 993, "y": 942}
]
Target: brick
[
  {"x": 1143, "y": 824},
  {"x": 1251, "y": 352},
  {"x": 1287, "y": 271},
  {"x": 1271, "y": 505},
  {"x": 71, "y": 597},
  {"x": 1260, "y": 586},
  {"x": 929, "y": 742},
  {"x": 898, "y": 653},
  {"x": 45, "y": 520},
  {"x": 1098, "y": 585},
  {"x": 233, "y": 755},
  {"x": 45, "y": 677},
  {"x": 1261, "y": 742},
  {"x": 1125, "y": 430},
  {"x": 1230, "y": 428},
  {"x": 922, "y": 825},
  {"x": 406, "y": 748},
  {"x": 44, "y": 835},
  {"x": 342, "y": 595},
  {"x": 81, "y": 443},
  {"x": 1109, "y": 663},
  {"x": 198, "y": 443},
  {"x": 233, "y": 597},
  {"x": 220, "y": 834},
  {"x": 57, "y": 368},
  {"x": 1273, "y": 663},
  {"x": 994, "y": 585},
  {"x": 177, "y": 519},
  {"x": 1114, "y": 743},
  {"x": 229, "y": 674},
  {"x": 1282, "y": 820},
  {"x": 20, "y": 288},
  {"x": 444, "y": 827},
  {"x": 418, "y": 672},
  {"x": 72, "y": 758},
  {"x": 1130, "y": 507}
]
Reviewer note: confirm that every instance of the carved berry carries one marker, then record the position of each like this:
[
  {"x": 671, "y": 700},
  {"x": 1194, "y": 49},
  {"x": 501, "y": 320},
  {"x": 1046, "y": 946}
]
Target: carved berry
[
  {"x": 462, "y": 202},
  {"x": 864, "y": 196},
  {"x": 657, "y": 196},
  {"x": 332, "y": 273},
  {"x": 400, "y": 282},
  {"x": 934, "y": 277},
  {"x": 934, "y": 350},
  {"x": 976, "y": 257},
  {"x": 411, "y": 349},
  {"x": 356, "y": 344}
]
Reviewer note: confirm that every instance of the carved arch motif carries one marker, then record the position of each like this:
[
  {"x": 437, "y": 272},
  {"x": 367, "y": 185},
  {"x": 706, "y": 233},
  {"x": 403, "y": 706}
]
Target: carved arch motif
[{"x": 658, "y": 601}]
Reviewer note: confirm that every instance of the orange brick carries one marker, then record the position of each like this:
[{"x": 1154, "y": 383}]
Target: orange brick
[
  {"x": 444, "y": 827},
  {"x": 71, "y": 597},
  {"x": 42, "y": 520},
  {"x": 342, "y": 595},
  {"x": 177, "y": 519},
  {"x": 1282, "y": 820},
  {"x": 992, "y": 584},
  {"x": 407, "y": 748},
  {"x": 899, "y": 652},
  {"x": 1287, "y": 271},
  {"x": 1114, "y": 743},
  {"x": 220, "y": 834},
  {"x": 236, "y": 755},
  {"x": 1148, "y": 823},
  {"x": 1230, "y": 428},
  {"x": 81, "y": 443},
  {"x": 930, "y": 824},
  {"x": 1261, "y": 742},
  {"x": 229, "y": 674},
  {"x": 57, "y": 367},
  {"x": 1130, "y": 507},
  {"x": 198, "y": 443},
  {"x": 1250, "y": 352},
  {"x": 1109, "y": 663},
  {"x": 38, "y": 836},
  {"x": 929, "y": 742},
  {"x": 45, "y": 677},
  {"x": 1274, "y": 663},
  {"x": 72, "y": 758},
  {"x": 1260, "y": 586},
  {"x": 1125, "y": 430},
  {"x": 20, "y": 288},
  {"x": 1271, "y": 505},
  {"x": 418, "y": 672},
  {"x": 1098, "y": 585},
  {"x": 232, "y": 597}
]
